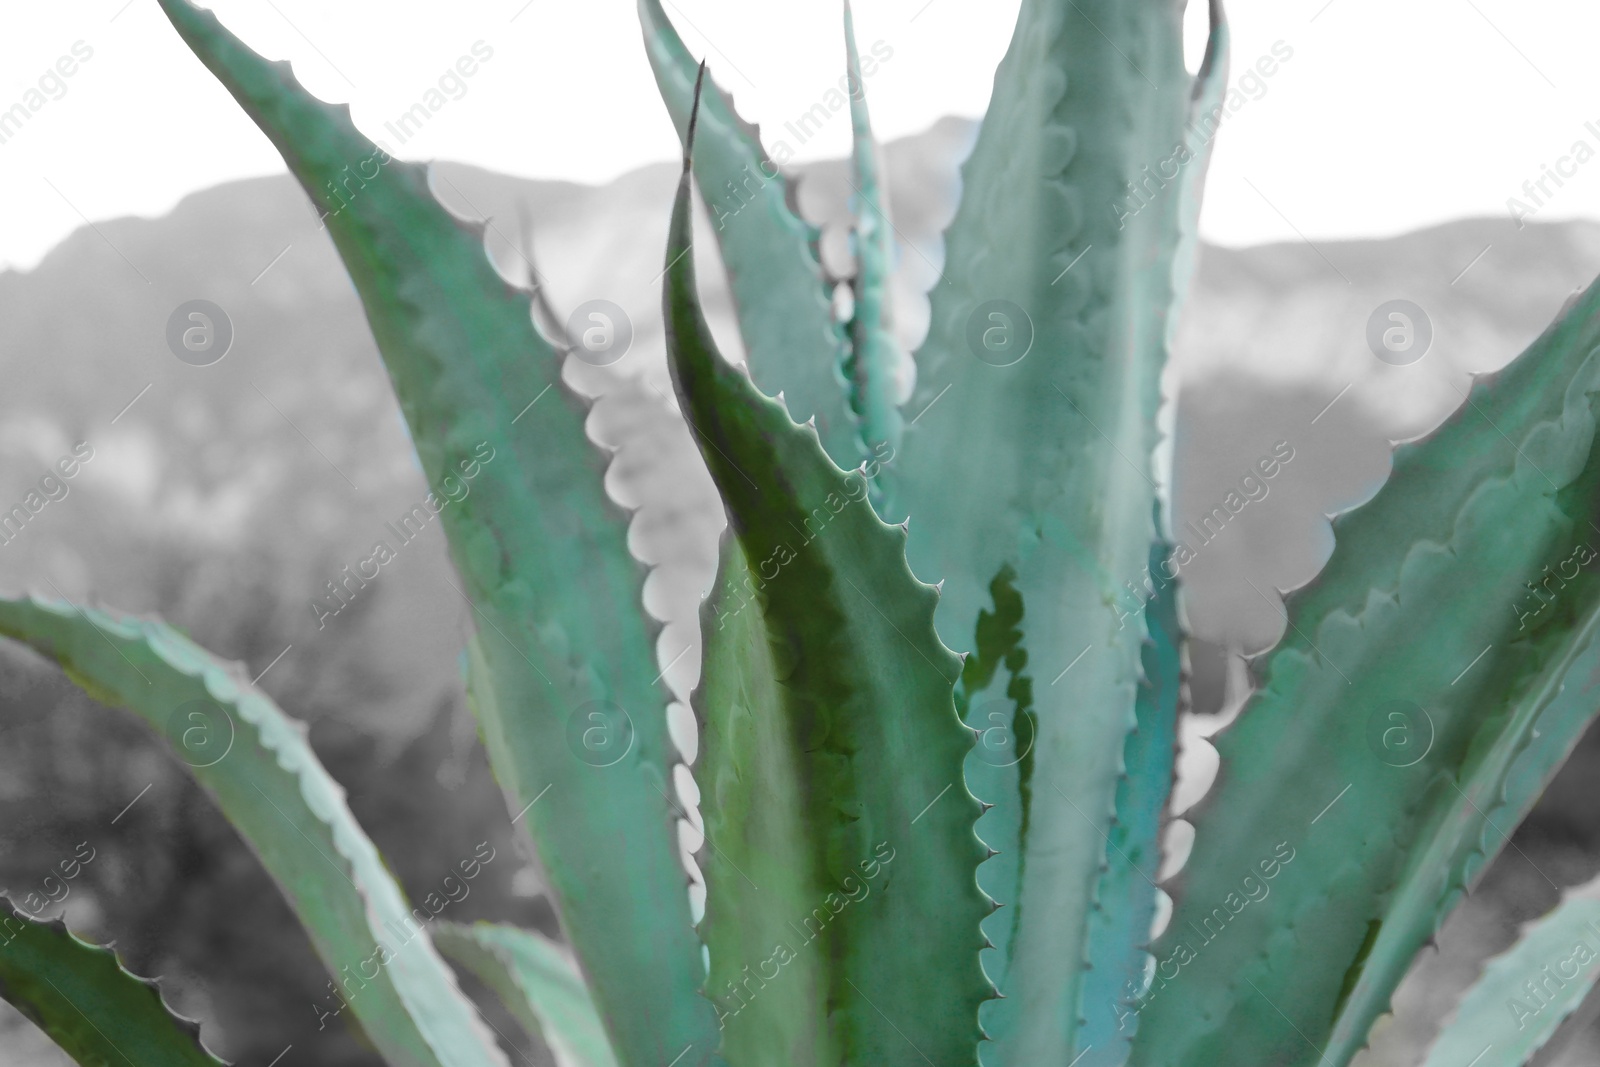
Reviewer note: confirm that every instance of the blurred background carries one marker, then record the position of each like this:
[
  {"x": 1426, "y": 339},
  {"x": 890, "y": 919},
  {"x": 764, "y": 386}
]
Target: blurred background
[{"x": 224, "y": 497}]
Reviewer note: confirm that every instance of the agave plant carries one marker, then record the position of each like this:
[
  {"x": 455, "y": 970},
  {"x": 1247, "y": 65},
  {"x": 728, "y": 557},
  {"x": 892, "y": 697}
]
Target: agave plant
[{"x": 933, "y": 814}]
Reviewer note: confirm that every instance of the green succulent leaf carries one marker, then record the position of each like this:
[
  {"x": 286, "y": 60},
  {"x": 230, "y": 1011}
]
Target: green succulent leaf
[
  {"x": 256, "y": 762},
  {"x": 1205, "y": 118},
  {"x": 874, "y": 366},
  {"x": 1406, "y": 720},
  {"x": 538, "y": 982},
  {"x": 1120, "y": 927},
  {"x": 1029, "y": 455},
  {"x": 83, "y": 999},
  {"x": 1491, "y": 799},
  {"x": 842, "y": 906},
  {"x": 565, "y": 658},
  {"x": 1523, "y": 996},
  {"x": 784, "y": 303}
]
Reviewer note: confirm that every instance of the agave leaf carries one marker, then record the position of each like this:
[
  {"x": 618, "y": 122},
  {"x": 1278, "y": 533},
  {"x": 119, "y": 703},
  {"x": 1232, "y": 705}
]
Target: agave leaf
[
  {"x": 1120, "y": 927},
  {"x": 255, "y": 761},
  {"x": 1523, "y": 996},
  {"x": 842, "y": 906},
  {"x": 564, "y": 655},
  {"x": 1492, "y": 798},
  {"x": 80, "y": 996},
  {"x": 1205, "y": 118},
  {"x": 875, "y": 359},
  {"x": 538, "y": 982},
  {"x": 1354, "y": 799},
  {"x": 784, "y": 303},
  {"x": 1048, "y": 333}
]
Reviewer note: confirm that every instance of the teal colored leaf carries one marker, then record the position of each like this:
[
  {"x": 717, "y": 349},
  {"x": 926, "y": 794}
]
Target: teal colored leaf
[
  {"x": 256, "y": 763},
  {"x": 1430, "y": 679},
  {"x": 564, "y": 657},
  {"x": 784, "y": 303},
  {"x": 84, "y": 1001},
  {"x": 1005, "y": 758},
  {"x": 1205, "y": 119},
  {"x": 842, "y": 907},
  {"x": 874, "y": 366},
  {"x": 1120, "y": 926},
  {"x": 1490, "y": 800},
  {"x": 1029, "y": 453},
  {"x": 1520, "y": 1001},
  {"x": 538, "y": 982}
]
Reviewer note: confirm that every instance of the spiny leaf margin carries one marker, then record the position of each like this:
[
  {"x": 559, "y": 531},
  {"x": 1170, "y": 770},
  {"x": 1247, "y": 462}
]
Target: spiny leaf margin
[
  {"x": 111, "y": 1000},
  {"x": 287, "y": 808},
  {"x": 541, "y": 550},
  {"x": 855, "y": 743}
]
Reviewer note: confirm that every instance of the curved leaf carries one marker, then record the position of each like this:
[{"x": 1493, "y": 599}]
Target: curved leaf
[
  {"x": 1490, "y": 801},
  {"x": 81, "y": 997},
  {"x": 1048, "y": 331},
  {"x": 1523, "y": 996},
  {"x": 255, "y": 761},
  {"x": 874, "y": 366},
  {"x": 539, "y": 983},
  {"x": 842, "y": 906},
  {"x": 784, "y": 303},
  {"x": 1354, "y": 800},
  {"x": 542, "y": 553}
]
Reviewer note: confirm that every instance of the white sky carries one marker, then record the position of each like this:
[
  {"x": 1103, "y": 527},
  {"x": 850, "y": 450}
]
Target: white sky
[{"x": 1392, "y": 114}]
